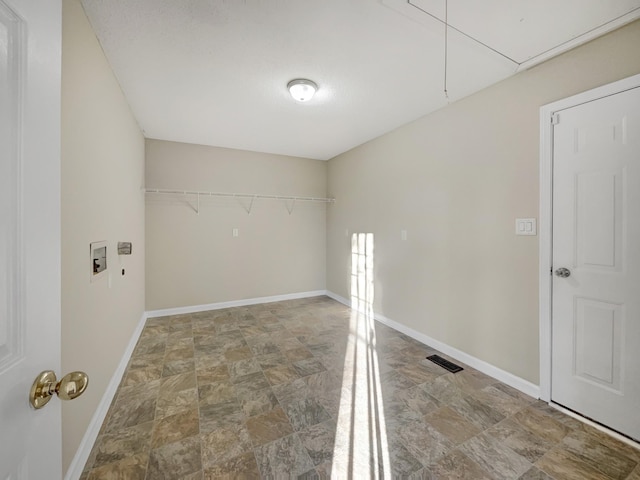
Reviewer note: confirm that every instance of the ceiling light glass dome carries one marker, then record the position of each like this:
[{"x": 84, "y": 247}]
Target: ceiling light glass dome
[{"x": 301, "y": 89}]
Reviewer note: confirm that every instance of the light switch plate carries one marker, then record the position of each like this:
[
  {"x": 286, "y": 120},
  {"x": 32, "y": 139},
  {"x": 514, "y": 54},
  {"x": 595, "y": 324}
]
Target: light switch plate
[{"x": 526, "y": 226}]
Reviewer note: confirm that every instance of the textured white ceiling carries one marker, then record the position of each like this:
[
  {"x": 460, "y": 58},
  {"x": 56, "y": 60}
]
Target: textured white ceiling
[{"x": 214, "y": 72}]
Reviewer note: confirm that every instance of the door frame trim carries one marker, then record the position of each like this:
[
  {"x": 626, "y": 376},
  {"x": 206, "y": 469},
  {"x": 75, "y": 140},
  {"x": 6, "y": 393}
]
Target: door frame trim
[{"x": 546, "y": 213}]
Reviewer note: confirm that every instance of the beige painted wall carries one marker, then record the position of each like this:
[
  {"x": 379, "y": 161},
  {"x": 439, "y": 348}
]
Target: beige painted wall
[
  {"x": 102, "y": 176},
  {"x": 456, "y": 180},
  {"x": 194, "y": 259}
]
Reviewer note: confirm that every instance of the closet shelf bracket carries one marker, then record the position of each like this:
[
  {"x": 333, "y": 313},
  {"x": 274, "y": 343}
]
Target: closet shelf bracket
[
  {"x": 290, "y": 208},
  {"x": 249, "y": 207}
]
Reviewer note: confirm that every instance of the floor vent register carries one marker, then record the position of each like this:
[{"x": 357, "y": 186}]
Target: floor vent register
[{"x": 446, "y": 364}]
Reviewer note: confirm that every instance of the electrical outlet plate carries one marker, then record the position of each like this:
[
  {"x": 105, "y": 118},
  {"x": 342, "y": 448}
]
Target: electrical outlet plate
[{"x": 526, "y": 226}]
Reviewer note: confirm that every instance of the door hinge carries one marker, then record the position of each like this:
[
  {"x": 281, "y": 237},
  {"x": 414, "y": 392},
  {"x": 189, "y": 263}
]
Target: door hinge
[{"x": 555, "y": 119}]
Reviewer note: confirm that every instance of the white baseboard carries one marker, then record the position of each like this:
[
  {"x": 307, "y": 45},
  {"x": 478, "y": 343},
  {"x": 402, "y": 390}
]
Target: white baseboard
[
  {"x": 484, "y": 367},
  {"x": 91, "y": 434},
  {"x": 234, "y": 303}
]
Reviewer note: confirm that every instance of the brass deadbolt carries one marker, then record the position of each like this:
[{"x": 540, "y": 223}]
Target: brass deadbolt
[{"x": 71, "y": 386}]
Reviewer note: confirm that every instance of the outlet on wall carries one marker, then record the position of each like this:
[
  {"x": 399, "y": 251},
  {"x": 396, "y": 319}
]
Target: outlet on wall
[{"x": 526, "y": 226}]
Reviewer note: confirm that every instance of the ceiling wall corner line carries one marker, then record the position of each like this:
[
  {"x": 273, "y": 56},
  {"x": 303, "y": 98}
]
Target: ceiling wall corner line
[{"x": 581, "y": 39}]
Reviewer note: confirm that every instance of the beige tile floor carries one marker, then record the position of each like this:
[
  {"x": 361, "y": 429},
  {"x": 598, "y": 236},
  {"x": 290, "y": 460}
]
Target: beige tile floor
[{"x": 311, "y": 389}]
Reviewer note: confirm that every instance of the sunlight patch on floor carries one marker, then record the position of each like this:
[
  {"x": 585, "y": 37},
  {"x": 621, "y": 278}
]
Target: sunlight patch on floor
[{"x": 361, "y": 447}]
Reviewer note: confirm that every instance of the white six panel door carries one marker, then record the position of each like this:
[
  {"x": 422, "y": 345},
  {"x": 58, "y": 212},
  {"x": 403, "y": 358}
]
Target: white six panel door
[{"x": 596, "y": 236}]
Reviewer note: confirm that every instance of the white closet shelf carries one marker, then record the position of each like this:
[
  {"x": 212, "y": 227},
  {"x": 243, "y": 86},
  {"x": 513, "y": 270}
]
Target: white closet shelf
[
  {"x": 240, "y": 195},
  {"x": 247, "y": 196}
]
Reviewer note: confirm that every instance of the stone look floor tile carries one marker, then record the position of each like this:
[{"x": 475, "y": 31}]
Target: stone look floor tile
[
  {"x": 520, "y": 440},
  {"x": 178, "y": 352},
  {"x": 212, "y": 374},
  {"x": 271, "y": 360},
  {"x": 394, "y": 358},
  {"x": 561, "y": 464},
  {"x": 268, "y": 391},
  {"x": 501, "y": 401},
  {"x": 635, "y": 475},
  {"x": 610, "y": 461},
  {"x": 310, "y": 475},
  {"x": 305, "y": 413},
  {"x": 609, "y": 441},
  {"x": 121, "y": 444},
  {"x": 541, "y": 424},
  {"x": 251, "y": 382},
  {"x": 392, "y": 382},
  {"x": 418, "y": 373},
  {"x": 150, "y": 346},
  {"x": 224, "y": 443},
  {"x": 497, "y": 459},
  {"x": 443, "y": 389},
  {"x": 242, "y": 467},
  {"x": 283, "y": 458},
  {"x": 220, "y": 415},
  {"x": 142, "y": 375},
  {"x": 175, "y": 427},
  {"x": 175, "y": 367},
  {"x": 535, "y": 474},
  {"x": 219, "y": 392},
  {"x": 322, "y": 382},
  {"x": 264, "y": 347},
  {"x": 332, "y": 401},
  {"x": 417, "y": 400},
  {"x": 457, "y": 466},
  {"x": 523, "y": 397},
  {"x": 546, "y": 409},
  {"x": 192, "y": 476},
  {"x": 257, "y": 402},
  {"x": 243, "y": 367},
  {"x": 175, "y": 460},
  {"x": 479, "y": 413},
  {"x": 319, "y": 441},
  {"x": 470, "y": 380},
  {"x": 130, "y": 468},
  {"x": 177, "y": 383},
  {"x": 290, "y": 392},
  {"x": 252, "y": 331},
  {"x": 308, "y": 366},
  {"x": 324, "y": 470},
  {"x": 280, "y": 374},
  {"x": 237, "y": 354},
  {"x": 129, "y": 412},
  {"x": 401, "y": 463},
  {"x": 268, "y": 426},
  {"x": 209, "y": 360},
  {"x": 452, "y": 425},
  {"x": 425, "y": 443},
  {"x": 291, "y": 343},
  {"x": 144, "y": 361},
  {"x": 180, "y": 401}
]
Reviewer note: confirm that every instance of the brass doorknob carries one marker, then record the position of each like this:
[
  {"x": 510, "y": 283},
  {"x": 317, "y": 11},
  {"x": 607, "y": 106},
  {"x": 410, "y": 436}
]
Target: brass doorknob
[{"x": 71, "y": 386}]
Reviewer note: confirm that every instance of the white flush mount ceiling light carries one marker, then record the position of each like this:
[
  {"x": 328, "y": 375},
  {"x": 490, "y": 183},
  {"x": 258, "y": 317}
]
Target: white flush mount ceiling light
[{"x": 301, "y": 89}]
